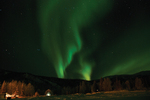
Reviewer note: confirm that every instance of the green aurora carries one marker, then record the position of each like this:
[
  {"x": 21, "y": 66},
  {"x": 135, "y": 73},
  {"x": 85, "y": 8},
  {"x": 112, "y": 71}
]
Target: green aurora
[
  {"x": 57, "y": 24},
  {"x": 77, "y": 39}
]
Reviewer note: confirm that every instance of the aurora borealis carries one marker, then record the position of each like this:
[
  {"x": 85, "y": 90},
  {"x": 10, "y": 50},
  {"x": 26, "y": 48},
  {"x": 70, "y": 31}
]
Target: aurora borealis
[
  {"x": 76, "y": 39},
  {"x": 61, "y": 36}
]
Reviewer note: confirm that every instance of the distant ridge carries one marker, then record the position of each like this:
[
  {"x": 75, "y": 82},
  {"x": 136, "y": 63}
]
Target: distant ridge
[
  {"x": 143, "y": 73},
  {"x": 43, "y": 83},
  {"x": 9, "y": 75}
]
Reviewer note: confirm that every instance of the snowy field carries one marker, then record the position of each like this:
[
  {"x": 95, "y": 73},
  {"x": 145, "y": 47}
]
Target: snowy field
[{"x": 97, "y": 96}]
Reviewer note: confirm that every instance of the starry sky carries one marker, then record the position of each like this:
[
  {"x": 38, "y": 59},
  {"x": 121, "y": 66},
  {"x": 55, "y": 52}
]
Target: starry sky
[{"x": 75, "y": 39}]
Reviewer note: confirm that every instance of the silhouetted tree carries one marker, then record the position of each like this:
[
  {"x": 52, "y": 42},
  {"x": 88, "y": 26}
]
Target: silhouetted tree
[
  {"x": 107, "y": 84},
  {"x": 93, "y": 87},
  {"x": 9, "y": 88},
  {"x": 77, "y": 89},
  {"x": 4, "y": 87},
  {"x": 117, "y": 85},
  {"x": 19, "y": 87},
  {"x": 73, "y": 90},
  {"x": 13, "y": 86},
  {"x": 132, "y": 84},
  {"x": 138, "y": 83},
  {"x": 128, "y": 85},
  {"x": 63, "y": 91},
  {"x": 23, "y": 89},
  {"x": 82, "y": 87},
  {"x": 29, "y": 89},
  {"x": 101, "y": 84},
  {"x": 66, "y": 90},
  {"x": 88, "y": 88},
  {"x": 36, "y": 94},
  {"x": 17, "y": 90}
]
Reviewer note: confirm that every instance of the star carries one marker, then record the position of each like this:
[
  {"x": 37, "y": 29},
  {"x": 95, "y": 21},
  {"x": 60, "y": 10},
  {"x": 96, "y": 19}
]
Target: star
[{"x": 38, "y": 49}]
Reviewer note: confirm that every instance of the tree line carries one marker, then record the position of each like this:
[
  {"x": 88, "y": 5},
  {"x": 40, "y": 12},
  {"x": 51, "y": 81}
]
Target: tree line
[
  {"x": 18, "y": 88},
  {"x": 105, "y": 85}
]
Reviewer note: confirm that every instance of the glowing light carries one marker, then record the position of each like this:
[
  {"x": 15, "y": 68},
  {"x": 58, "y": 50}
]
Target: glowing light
[{"x": 48, "y": 94}]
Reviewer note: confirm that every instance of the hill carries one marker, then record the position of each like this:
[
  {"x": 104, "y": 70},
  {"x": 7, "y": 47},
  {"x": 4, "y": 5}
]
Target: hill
[{"x": 42, "y": 83}]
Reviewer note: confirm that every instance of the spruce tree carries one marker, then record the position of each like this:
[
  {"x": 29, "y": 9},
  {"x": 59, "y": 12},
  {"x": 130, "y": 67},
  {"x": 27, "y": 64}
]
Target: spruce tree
[
  {"x": 127, "y": 85},
  {"x": 117, "y": 85},
  {"x": 82, "y": 87},
  {"x": 138, "y": 83},
  {"x": 93, "y": 87},
  {"x": 30, "y": 89},
  {"x": 101, "y": 84},
  {"x": 107, "y": 84},
  {"x": 4, "y": 87},
  {"x": 23, "y": 89}
]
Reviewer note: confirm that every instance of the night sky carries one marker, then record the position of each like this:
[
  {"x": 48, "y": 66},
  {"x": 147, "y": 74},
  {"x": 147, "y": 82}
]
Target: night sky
[{"x": 75, "y": 39}]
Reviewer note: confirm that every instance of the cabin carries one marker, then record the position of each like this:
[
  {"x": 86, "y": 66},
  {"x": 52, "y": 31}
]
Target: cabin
[
  {"x": 48, "y": 92},
  {"x": 9, "y": 96}
]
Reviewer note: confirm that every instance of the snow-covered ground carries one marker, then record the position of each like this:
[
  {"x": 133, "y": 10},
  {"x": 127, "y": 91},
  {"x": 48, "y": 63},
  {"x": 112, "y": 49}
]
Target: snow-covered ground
[{"x": 97, "y": 96}]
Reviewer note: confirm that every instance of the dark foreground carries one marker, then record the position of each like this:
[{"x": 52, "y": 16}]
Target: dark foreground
[{"x": 97, "y": 96}]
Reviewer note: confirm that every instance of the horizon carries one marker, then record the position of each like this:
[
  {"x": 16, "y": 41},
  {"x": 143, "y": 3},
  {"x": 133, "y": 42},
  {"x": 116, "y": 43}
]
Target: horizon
[{"x": 75, "y": 79}]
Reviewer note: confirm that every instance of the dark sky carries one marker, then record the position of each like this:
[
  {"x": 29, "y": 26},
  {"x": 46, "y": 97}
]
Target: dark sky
[{"x": 76, "y": 39}]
